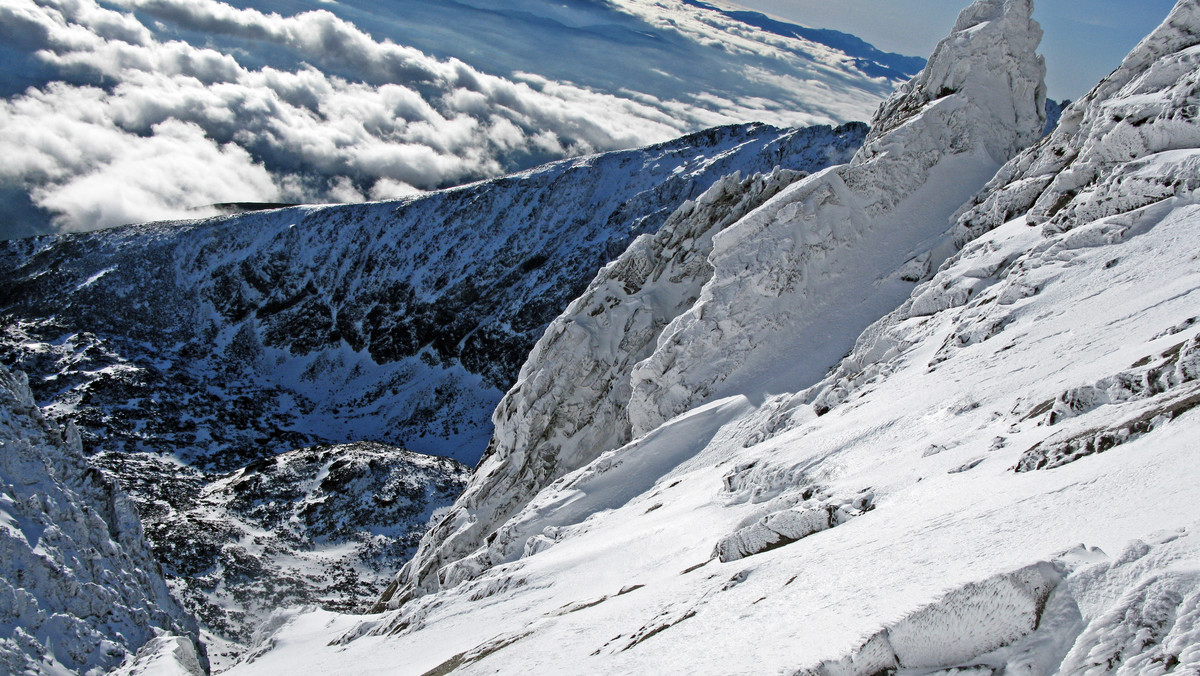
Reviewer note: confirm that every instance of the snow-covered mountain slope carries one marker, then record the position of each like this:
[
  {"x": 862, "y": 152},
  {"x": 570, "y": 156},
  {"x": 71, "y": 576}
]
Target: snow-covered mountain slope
[
  {"x": 188, "y": 351},
  {"x": 227, "y": 340},
  {"x": 80, "y": 590},
  {"x": 758, "y": 294},
  {"x": 1000, "y": 475}
]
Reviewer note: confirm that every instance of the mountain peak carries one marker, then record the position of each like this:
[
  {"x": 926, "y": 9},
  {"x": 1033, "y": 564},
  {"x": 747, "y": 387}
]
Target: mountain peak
[{"x": 990, "y": 60}]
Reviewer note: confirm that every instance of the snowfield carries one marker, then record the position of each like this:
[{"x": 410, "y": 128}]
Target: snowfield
[{"x": 998, "y": 473}]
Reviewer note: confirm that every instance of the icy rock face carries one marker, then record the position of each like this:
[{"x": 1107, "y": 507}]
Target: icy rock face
[
  {"x": 989, "y": 58},
  {"x": 79, "y": 589},
  {"x": 819, "y": 244},
  {"x": 1121, "y": 160},
  {"x": 1114, "y": 150},
  {"x": 569, "y": 404},
  {"x": 1144, "y": 612}
]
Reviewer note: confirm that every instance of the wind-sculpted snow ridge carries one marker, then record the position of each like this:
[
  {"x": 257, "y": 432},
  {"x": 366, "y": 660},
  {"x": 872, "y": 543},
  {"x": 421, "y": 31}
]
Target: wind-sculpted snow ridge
[
  {"x": 79, "y": 589},
  {"x": 830, "y": 243},
  {"x": 568, "y": 405},
  {"x": 874, "y": 521},
  {"x": 772, "y": 268}
]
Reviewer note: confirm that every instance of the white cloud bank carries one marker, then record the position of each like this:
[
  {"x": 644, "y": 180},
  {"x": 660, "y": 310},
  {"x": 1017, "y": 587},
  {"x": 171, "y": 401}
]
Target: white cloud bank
[{"x": 165, "y": 127}]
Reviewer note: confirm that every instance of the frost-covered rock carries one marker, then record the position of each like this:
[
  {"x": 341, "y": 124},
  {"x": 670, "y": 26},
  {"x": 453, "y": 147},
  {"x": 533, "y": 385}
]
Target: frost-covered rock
[
  {"x": 79, "y": 588},
  {"x": 965, "y": 624},
  {"x": 827, "y": 245},
  {"x": 788, "y": 518},
  {"x": 1122, "y": 158},
  {"x": 1123, "y": 146}
]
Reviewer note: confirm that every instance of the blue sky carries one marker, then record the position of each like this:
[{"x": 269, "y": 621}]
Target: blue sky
[{"x": 1085, "y": 39}]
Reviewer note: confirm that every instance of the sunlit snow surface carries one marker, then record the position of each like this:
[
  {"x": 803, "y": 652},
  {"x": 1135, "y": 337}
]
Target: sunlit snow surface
[
  {"x": 1069, "y": 321},
  {"x": 936, "y": 526}
]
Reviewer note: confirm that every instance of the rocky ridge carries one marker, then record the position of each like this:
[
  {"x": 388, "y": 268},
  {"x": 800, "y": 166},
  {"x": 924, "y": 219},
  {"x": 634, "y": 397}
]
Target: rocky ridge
[{"x": 750, "y": 280}]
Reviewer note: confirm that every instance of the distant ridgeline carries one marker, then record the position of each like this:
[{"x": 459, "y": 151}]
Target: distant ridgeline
[{"x": 869, "y": 59}]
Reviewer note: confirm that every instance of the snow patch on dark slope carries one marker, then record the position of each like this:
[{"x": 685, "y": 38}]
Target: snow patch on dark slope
[
  {"x": 963, "y": 565},
  {"x": 81, "y": 591}
]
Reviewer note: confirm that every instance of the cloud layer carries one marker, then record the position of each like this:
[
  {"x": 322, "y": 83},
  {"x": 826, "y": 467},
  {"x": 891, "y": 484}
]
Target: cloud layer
[{"x": 161, "y": 107}]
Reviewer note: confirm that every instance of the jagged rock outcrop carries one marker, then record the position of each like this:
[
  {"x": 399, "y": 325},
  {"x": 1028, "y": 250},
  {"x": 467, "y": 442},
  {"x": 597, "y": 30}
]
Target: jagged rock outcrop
[
  {"x": 1111, "y": 151},
  {"x": 1122, "y": 157},
  {"x": 768, "y": 273},
  {"x": 81, "y": 590},
  {"x": 822, "y": 245}
]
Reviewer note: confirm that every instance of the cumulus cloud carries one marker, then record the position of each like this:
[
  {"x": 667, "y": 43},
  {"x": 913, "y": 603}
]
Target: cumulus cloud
[{"x": 140, "y": 127}]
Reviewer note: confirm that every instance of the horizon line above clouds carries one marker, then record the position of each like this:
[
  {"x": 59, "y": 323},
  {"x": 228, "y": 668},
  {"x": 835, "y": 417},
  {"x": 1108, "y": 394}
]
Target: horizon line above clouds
[{"x": 141, "y": 110}]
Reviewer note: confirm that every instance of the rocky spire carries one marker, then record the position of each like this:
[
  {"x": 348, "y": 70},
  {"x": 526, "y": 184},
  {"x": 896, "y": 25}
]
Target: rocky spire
[{"x": 820, "y": 246}]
